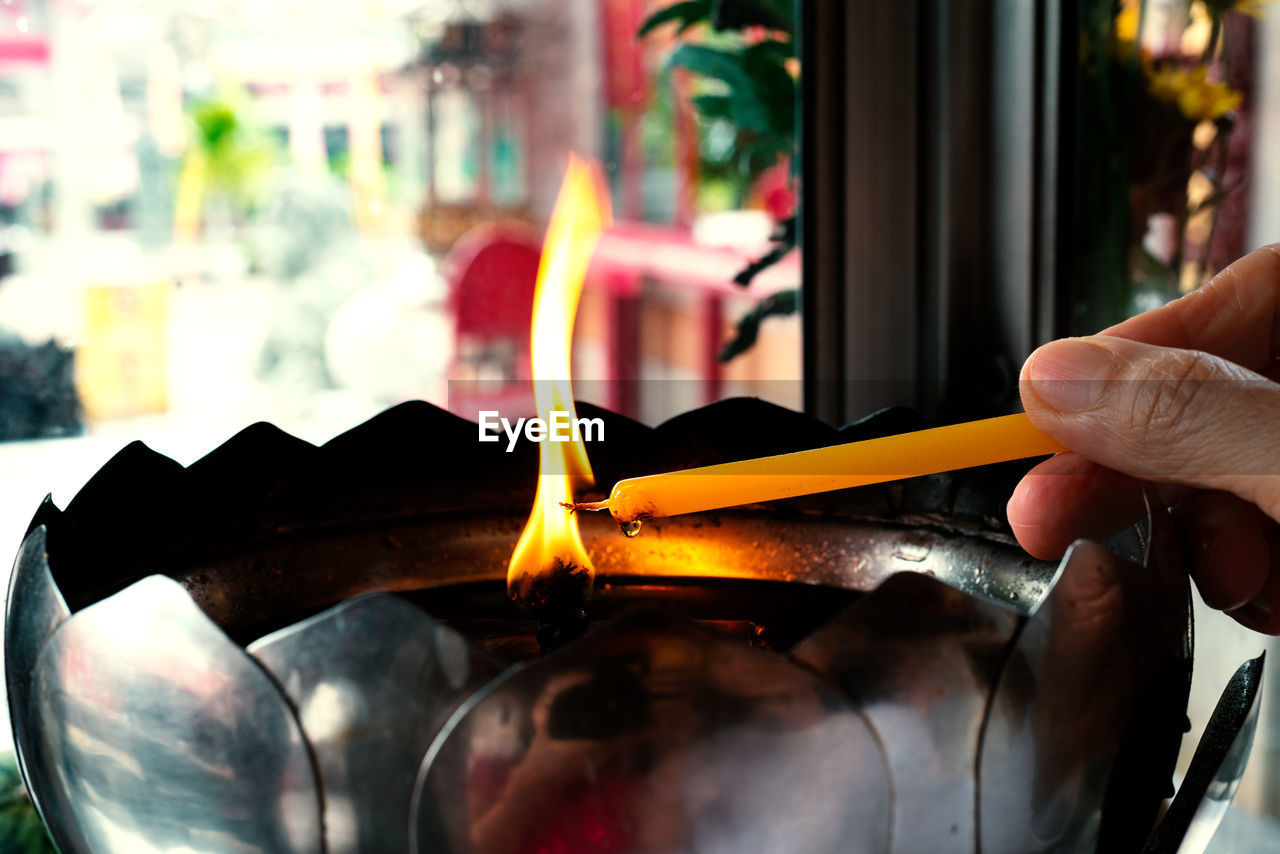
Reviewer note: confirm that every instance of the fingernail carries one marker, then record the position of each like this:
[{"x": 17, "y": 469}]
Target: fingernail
[{"x": 1069, "y": 375}]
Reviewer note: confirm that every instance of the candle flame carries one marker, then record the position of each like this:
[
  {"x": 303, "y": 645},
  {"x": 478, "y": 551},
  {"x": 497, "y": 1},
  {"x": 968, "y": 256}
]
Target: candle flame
[{"x": 550, "y": 543}]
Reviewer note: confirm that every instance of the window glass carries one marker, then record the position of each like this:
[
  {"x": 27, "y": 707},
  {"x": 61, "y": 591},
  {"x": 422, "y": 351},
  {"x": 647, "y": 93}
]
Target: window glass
[{"x": 219, "y": 213}]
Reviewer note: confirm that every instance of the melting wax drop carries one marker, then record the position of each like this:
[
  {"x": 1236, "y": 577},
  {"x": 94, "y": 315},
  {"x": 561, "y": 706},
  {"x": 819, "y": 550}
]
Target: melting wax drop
[{"x": 630, "y": 529}]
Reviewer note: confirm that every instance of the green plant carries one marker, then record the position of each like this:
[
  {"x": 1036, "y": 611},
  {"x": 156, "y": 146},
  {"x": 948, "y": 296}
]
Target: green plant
[
  {"x": 1154, "y": 130},
  {"x": 234, "y": 157},
  {"x": 746, "y": 95},
  {"x": 20, "y": 829}
]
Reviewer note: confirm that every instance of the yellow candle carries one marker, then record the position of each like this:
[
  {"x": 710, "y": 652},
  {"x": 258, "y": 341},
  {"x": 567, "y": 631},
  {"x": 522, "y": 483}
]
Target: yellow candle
[{"x": 975, "y": 443}]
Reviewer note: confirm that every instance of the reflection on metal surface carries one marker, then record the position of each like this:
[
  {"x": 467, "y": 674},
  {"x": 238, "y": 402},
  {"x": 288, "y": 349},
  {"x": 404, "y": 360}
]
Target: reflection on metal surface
[
  {"x": 920, "y": 659},
  {"x": 164, "y": 736},
  {"x": 316, "y": 572},
  {"x": 33, "y": 613},
  {"x": 1088, "y": 711},
  {"x": 374, "y": 679},
  {"x": 651, "y": 734},
  {"x": 1060, "y": 732},
  {"x": 836, "y": 552},
  {"x": 1216, "y": 768}
]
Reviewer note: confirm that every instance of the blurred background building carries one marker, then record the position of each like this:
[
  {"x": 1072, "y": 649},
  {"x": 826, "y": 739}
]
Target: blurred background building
[{"x": 232, "y": 211}]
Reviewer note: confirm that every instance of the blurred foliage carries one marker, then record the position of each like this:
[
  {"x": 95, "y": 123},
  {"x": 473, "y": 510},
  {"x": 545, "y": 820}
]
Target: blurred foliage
[
  {"x": 756, "y": 99},
  {"x": 725, "y": 15},
  {"x": 37, "y": 390},
  {"x": 784, "y": 240},
  {"x": 20, "y": 829},
  {"x": 340, "y": 167},
  {"x": 745, "y": 64},
  {"x": 780, "y": 304},
  {"x": 1152, "y": 127},
  {"x": 747, "y": 94},
  {"x": 235, "y": 157}
]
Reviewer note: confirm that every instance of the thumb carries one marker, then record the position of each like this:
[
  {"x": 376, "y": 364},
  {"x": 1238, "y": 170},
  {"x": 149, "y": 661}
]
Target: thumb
[{"x": 1161, "y": 414}]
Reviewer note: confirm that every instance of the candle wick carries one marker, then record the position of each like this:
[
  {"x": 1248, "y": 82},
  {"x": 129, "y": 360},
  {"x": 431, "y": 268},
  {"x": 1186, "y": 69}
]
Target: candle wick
[
  {"x": 557, "y": 598},
  {"x": 575, "y": 506}
]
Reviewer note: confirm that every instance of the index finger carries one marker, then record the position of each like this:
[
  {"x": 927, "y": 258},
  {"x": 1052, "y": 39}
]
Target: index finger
[{"x": 1235, "y": 316}]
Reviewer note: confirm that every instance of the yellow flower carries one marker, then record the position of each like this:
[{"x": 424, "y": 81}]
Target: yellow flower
[
  {"x": 1127, "y": 22},
  {"x": 1253, "y": 8},
  {"x": 1196, "y": 96},
  {"x": 1165, "y": 84}
]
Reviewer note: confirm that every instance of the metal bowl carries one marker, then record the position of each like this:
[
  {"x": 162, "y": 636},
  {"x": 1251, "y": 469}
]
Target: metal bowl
[{"x": 290, "y": 648}]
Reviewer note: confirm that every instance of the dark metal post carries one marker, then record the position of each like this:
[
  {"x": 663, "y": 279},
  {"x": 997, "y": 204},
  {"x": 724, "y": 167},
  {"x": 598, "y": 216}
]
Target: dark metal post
[{"x": 931, "y": 164}]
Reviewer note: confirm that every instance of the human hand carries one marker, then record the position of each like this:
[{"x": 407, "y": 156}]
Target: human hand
[{"x": 1184, "y": 402}]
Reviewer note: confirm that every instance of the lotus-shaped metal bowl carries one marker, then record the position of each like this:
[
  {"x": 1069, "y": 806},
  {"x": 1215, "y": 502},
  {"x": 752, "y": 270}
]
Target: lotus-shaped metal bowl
[{"x": 285, "y": 648}]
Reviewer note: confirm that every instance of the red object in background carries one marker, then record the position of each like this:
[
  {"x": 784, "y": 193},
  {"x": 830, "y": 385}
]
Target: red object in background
[
  {"x": 592, "y": 820},
  {"x": 626, "y": 83},
  {"x": 1231, "y": 219},
  {"x": 29, "y": 49},
  {"x": 688, "y": 156},
  {"x": 492, "y": 271},
  {"x": 773, "y": 191},
  {"x": 589, "y": 822}
]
